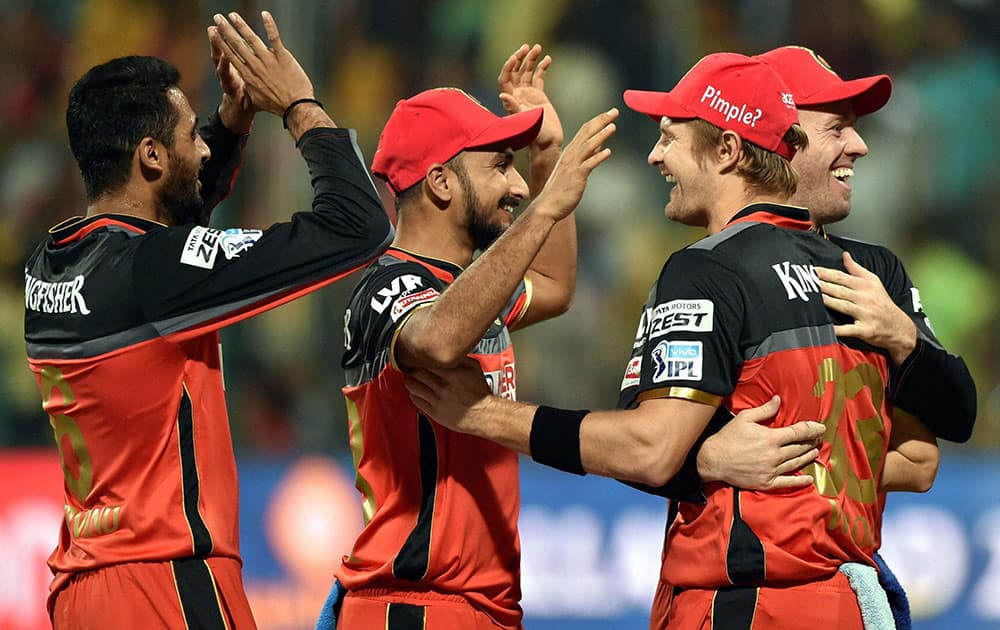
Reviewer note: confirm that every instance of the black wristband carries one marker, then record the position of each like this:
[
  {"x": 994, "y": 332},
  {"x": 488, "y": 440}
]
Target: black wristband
[
  {"x": 293, "y": 105},
  {"x": 555, "y": 438}
]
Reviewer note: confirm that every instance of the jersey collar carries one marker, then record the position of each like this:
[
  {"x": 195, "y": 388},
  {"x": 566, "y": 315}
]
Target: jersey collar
[
  {"x": 75, "y": 228},
  {"x": 789, "y": 217},
  {"x": 442, "y": 269}
]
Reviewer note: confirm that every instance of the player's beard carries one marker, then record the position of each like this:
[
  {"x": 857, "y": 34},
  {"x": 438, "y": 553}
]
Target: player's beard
[
  {"x": 483, "y": 228},
  {"x": 180, "y": 201}
]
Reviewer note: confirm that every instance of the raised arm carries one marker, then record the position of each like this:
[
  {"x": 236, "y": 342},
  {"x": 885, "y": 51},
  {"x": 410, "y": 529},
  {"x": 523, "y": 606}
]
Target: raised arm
[
  {"x": 192, "y": 279},
  {"x": 273, "y": 78},
  {"x": 553, "y": 271},
  {"x": 442, "y": 333}
]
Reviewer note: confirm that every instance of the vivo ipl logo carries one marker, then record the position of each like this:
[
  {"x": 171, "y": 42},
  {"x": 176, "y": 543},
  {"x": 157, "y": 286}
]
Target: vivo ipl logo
[{"x": 677, "y": 360}]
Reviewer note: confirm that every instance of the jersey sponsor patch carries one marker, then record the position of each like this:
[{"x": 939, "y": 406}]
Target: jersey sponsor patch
[
  {"x": 55, "y": 297},
  {"x": 681, "y": 316},
  {"x": 632, "y": 372},
  {"x": 405, "y": 283},
  {"x": 797, "y": 280},
  {"x": 918, "y": 308},
  {"x": 407, "y": 303},
  {"x": 235, "y": 241},
  {"x": 503, "y": 382},
  {"x": 201, "y": 247},
  {"x": 677, "y": 361}
]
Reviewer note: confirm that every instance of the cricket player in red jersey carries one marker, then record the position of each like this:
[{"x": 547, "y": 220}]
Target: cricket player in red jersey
[
  {"x": 734, "y": 320},
  {"x": 440, "y": 549},
  {"x": 931, "y": 390},
  {"x": 122, "y": 312}
]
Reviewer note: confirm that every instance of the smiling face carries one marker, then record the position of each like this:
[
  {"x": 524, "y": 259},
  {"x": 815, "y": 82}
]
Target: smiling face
[
  {"x": 179, "y": 200},
  {"x": 827, "y": 164},
  {"x": 676, "y": 158},
  {"x": 492, "y": 189}
]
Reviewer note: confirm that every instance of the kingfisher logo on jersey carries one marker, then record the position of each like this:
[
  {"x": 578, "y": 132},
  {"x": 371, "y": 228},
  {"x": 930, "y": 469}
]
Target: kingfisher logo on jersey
[
  {"x": 55, "y": 297},
  {"x": 677, "y": 361},
  {"x": 502, "y": 382},
  {"x": 236, "y": 241},
  {"x": 798, "y": 280},
  {"x": 405, "y": 283},
  {"x": 632, "y": 373},
  {"x": 201, "y": 247},
  {"x": 408, "y": 302}
]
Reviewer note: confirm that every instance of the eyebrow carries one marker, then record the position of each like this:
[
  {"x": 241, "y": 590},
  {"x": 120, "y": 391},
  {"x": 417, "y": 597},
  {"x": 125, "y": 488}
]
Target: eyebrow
[{"x": 507, "y": 154}]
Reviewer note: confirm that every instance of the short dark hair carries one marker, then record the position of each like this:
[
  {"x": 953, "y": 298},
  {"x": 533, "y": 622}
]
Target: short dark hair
[
  {"x": 111, "y": 109},
  {"x": 412, "y": 193},
  {"x": 765, "y": 172}
]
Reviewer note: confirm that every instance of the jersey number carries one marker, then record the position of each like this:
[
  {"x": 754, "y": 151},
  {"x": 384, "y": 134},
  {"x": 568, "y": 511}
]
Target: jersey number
[
  {"x": 831, "y": 479},
  {"x": 67, "y": 433}
]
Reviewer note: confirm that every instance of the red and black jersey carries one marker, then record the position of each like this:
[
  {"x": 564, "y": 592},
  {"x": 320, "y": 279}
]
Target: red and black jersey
[
  {"x": 121, "y": 321},
  {"x": 734, "y": 319},
  {"x": 932, "y": 384},
  {"x": 440, "y": 508}
]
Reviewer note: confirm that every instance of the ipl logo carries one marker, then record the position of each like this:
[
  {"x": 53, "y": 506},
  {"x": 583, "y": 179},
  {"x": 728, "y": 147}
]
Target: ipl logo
[{"x": 677, "y": 360}]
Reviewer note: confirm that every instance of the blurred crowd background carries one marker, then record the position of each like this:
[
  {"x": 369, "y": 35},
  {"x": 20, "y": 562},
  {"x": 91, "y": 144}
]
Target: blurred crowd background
[{"x": 925, "y": 189}]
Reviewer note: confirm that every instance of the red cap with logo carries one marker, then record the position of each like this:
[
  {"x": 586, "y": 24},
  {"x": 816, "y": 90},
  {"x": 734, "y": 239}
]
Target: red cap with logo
[
  {"x": 813, "y": 81},
  {"x": 733, "y": 92},
  {"x": 436, "y": 125}
]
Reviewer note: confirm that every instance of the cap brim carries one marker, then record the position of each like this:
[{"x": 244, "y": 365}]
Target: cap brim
[
  {"x": 867, "y": 95},
  {"x": 514, "y": 131},
  {"x": 656, "y": 105}
]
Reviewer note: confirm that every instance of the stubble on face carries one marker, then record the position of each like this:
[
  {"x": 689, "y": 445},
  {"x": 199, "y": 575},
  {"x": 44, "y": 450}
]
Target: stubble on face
[
  {"x": 827, "y": 198},
  {"x": 180, "y": 200},
  {"x": 483, "y": 225}
]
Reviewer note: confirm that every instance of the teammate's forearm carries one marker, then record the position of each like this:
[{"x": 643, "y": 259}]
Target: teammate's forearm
[
  {"x": 542, "y": 163},
  {"x": 903, "y": 343},
  {"x": 218, "y": 173},
  {"x": 307, "y": 116},
  {"x": 445, "y": 332},
  {"x": 913, "y": 457}
]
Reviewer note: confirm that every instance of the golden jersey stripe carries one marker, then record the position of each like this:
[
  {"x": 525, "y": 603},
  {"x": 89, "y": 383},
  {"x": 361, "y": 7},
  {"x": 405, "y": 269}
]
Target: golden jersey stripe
[
  {"x": 357, "y": 444},
  {"x": 687, "y": 393}
]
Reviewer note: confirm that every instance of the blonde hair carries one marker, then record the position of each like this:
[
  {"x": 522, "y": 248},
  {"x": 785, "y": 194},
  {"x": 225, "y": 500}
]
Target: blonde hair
[{"x": 765, "y": 172}]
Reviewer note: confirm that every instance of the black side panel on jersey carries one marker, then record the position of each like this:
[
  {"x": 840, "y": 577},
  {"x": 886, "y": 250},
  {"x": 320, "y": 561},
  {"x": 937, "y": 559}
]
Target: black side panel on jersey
[
  {"x": 405, "y": 617},
  {"x": 734, "y": 607},
  {"x": 745, "y": 555},
  {"x": 414, "y": 557},
  {"x": 200, "y": 536},
  {"x": 197, "y": 594}
]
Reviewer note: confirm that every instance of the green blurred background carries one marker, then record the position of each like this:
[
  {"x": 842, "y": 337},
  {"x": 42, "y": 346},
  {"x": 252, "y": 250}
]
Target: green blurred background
[{"x": 925, "y": 190}]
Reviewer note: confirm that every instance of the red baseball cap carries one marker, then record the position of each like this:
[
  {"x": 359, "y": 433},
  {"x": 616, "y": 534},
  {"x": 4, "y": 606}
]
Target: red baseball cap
[
  {"x": 813, "y": 81},
  {"x": 733, "y": 92},
  {"x": 436, "y": 125}
]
